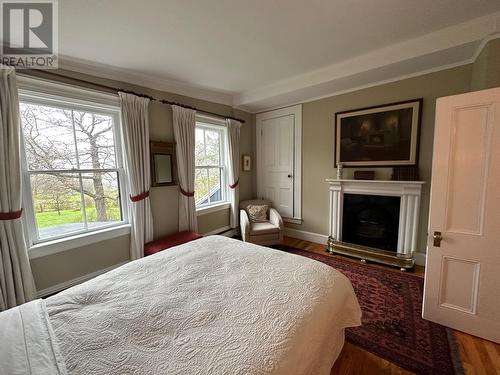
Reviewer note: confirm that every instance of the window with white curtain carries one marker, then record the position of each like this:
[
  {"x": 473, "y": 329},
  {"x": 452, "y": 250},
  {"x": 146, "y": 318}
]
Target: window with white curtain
[
  {"x": 72, "y": 164},
  {"x": 210, "y": 164}
]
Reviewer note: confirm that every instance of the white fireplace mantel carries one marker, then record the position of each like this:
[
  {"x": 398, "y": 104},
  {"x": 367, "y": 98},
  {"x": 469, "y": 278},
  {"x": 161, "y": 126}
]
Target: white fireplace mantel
[{"x": 409, "y": 191}]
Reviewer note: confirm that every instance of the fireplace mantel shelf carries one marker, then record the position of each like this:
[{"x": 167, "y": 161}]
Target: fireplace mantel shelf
[{"x": 335, "y": 180}]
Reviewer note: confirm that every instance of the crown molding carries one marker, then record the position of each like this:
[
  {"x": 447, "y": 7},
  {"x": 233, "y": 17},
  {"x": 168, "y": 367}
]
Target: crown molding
[
  {"x": 145, "y": 80},
  {"x": 261, "y": 109},
  {"x": 451, "y": 46},
  {"x": 485, "y": 41}
]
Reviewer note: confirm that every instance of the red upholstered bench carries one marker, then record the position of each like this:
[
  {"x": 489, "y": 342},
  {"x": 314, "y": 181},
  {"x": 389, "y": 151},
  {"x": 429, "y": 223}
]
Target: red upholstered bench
[{"x": 170, "y": 241}]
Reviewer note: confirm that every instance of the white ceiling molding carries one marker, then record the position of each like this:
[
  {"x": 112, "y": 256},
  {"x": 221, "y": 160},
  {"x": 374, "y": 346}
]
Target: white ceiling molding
[
  {"x": 344, "y": 85},
  {"x": 452, "y": 46},
  {"x": 140, "y": 79},
  {"x": 485, "y": 41}
]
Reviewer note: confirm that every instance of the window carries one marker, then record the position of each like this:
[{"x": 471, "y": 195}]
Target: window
[
  {"x": 210, "y": 163},
  {"x": 72, "y": 167}
]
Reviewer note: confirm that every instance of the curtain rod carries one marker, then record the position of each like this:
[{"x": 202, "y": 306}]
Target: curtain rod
[{"x": 115, "y": 89}]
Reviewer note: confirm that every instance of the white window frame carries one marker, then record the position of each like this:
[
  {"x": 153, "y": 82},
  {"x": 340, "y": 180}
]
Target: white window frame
[
  {"x": 41, "y": 93},
  {"x": 211, "y": 123}
]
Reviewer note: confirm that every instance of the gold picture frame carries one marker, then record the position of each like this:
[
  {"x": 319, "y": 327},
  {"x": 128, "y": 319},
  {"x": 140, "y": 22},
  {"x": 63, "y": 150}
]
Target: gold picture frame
[
  {"x": 381, "y": 136},
  {"x": 163, "y": 164},
  {"x": 246, "y": 163}
]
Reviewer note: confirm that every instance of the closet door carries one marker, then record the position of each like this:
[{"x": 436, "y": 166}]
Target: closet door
[{"x": 279, "y": 159}]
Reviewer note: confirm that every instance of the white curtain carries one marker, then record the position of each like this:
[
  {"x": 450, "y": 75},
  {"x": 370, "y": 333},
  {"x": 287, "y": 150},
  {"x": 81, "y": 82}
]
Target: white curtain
[
  {"x": 184, "y": 121},
  {"x": 233, "y": 130},
  {"x": 16, "y": 279},
  {"x": 135, "y": 129}
]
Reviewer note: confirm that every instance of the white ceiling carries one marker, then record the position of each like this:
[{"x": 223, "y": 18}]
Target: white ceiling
[{"x": 258, "y": 54}]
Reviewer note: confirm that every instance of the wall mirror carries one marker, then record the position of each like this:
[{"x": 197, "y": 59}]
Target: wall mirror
[{"x": 163, "y": 164}]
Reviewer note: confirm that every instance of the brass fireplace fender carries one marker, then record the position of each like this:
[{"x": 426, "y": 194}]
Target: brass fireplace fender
[{"x": 369, "y": 254}]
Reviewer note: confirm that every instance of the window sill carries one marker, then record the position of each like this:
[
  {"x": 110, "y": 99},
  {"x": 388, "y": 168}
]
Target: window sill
[
  {"x": 64, "y": 244},
  {"x": 213, "y": 208}
]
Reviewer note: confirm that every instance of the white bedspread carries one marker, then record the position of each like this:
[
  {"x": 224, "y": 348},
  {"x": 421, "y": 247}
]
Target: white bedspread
[
  {"x": 212, "y": 306},
  {"x": 27, "y": 343}
]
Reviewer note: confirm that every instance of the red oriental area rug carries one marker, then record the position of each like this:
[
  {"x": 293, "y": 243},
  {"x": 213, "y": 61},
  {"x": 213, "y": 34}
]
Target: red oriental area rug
[{"x": 393, "y": 327}]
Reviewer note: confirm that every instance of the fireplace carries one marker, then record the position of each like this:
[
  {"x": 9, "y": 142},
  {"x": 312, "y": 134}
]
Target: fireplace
[
  {"x": 371, "y": 220},
  {"x": 375, "y": 220}
]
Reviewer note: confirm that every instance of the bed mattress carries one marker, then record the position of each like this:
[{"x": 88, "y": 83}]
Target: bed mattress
[{"x": 212, "y": 306}]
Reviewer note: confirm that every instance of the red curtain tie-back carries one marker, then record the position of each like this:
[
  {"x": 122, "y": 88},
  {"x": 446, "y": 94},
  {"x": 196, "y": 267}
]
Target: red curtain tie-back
[
  {"x": 233, "y": 186},
  {"x": 186, "y": 193},
  {"x": 140, "y": 197},
  {"x": 4, "y": 216}
]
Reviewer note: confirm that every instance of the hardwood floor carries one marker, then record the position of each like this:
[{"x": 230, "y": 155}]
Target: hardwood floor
[{"x": 478, "y": 356}]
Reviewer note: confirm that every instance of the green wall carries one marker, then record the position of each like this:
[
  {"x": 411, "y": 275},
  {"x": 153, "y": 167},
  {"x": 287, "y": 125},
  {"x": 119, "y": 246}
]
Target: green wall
[
  {"x": 213, "y": 221},
  {"x": 486, "y": 68},
  {"x": 318, "y": 139}
]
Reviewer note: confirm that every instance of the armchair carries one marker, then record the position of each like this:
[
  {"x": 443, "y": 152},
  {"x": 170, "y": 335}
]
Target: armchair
[{"x": 265, "y": 233}]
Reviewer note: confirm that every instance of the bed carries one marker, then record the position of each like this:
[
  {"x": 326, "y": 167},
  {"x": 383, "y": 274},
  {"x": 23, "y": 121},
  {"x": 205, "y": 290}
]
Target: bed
[{"x": 212, "y": 306}]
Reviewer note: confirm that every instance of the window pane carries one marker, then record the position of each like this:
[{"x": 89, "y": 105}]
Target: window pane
[
  {"x": 102, "y": 198},
  {"x": 57, "y": 204},
  {"x": 215, "y": 185},
  {"x": 212, "y": 142},
  {"x": 208, "y": 146},
  {"x": 49, "y": 138},
  {"x": 200, "y": 158},
  {"x": 94, "y": 135},
  {"x": 201, "y": 186}
]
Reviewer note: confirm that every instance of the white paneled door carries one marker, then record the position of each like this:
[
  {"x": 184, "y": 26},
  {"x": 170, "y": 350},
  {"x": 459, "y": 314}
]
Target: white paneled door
[
  {"x": 462, "y": 275},
  {"x": 277, "y": 166}
]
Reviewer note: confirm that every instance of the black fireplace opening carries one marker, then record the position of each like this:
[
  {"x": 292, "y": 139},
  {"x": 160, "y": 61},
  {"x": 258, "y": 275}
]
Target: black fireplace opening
[{"x": 371, "y": 220}]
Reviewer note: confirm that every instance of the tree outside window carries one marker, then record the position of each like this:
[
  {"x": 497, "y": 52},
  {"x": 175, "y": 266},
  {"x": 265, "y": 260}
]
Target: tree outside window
[
  {"x": 73, "y": 168},
  {"x": 210, "y": 169}
]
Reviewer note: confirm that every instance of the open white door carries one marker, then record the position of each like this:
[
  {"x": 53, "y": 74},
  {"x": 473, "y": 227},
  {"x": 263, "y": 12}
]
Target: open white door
[
  {"x": 462, "y": 275},
  {"x": 279, "y": 159}
]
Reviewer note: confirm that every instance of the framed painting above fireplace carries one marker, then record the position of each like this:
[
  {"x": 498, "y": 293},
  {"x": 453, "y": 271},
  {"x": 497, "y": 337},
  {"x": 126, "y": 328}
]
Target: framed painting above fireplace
[{"x": 386, "y": 135}]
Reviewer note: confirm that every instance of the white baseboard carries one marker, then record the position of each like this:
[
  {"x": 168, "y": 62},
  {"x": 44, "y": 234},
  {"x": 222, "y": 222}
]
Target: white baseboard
[
  {"x": 306, "y": 236},
  {"x": 419, "y": 258},
  {"x": 78, "y": 280},
  {"x": 221, "y": 230},
  {"x": 292, "y": 220}
]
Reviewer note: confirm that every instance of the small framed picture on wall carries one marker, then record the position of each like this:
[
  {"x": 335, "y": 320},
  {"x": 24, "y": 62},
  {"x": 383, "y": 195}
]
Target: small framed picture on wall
[{"x": 247, "y": 163}]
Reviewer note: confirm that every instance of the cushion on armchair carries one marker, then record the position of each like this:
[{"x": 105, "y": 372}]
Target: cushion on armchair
[
  {"x": 257, "y": 213},
  {"x": 263, "y": 228}
]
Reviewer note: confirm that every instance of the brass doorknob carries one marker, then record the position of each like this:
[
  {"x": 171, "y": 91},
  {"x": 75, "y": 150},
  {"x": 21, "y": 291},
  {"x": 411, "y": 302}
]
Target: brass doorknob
[{"x": 437, "y": 237}]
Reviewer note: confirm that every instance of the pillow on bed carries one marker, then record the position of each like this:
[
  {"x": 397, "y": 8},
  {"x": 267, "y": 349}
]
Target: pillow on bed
[{"x": 257, "y": 213}]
